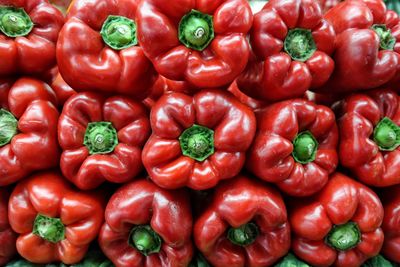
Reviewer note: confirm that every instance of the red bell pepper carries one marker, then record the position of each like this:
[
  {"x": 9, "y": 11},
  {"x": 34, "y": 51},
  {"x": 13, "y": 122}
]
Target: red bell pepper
[
  {"x": 245, "y": 225},
  {"x": 340, "y": 226},
  {"x": 292, "y": 45},
  {"x": 28, "y": 34},
  {"x": 370, "y": 136},
  {"x": 201, "y": 42},
  {"x": 102, "y": 139},
  {"x": 328, "y": 4},
  {"x": 62, "y": 90},
  {"x": 295, "y": 147},
  {"x": 367, "y": 46},
  {"x": 147, "y": 226},
  {"x": 97, "y": 49},
  {"x": 197, "y": 141},
  {"x": 28, "y": 128},
  {"x": 54, "y": 222},
  {"x": 7, "y": 235}
]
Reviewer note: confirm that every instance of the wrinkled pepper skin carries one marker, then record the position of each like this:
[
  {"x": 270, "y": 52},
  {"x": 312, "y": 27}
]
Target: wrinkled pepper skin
[
  {"x": 391, "y": 223},
  {"x": 272, "y": 155},
  {"x": 238, "y": 202},
  {"x": 168, "y": 215},
  {"x": 316, "y": 221},
  {"x": 274, "y": 73},
  {"x": 233, "y": 125},
  {"x": 33, "y": 52},
  {"x": 78, "y": 214},
  {"x": 129, "y": 128},
  {"x": 7, "y": 235},
  {"x": 360, "y": 61},
  {"x": 29, "y": 118},
  {"x": 87, "y": 62},
  {"x": 215, "y": 65},
  {"x": 359, "y": 116}
]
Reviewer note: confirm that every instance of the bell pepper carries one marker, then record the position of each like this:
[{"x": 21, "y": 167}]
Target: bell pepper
[
  {"x": 245, "y": 99},
  {"x": 147, "y": 226},
  {"x": 291, "y": 261},
  {"x": 62, "y": 5},
  {"x": 370, "y": 136},
  {"x": 7, "y": 235},
  {"x": 62, "y": 90},
  {"x": 54, "y": 221},
  {"x": 340, "y": 226},
  {"x": 295, "y": 147},
  {"x": 244, "y": 225},
  {"x": 199, "y": 261},
  {"x": 28, "y": 36},
  {"x": 97, "y": 49},
  {"x": 328, "y": 4},
  {"x": 28, "y": 128},
  {"x": 201, "y": 42},
  {"x": 292, "y": 44},
  {"x": 367, "y": 46},
  {"x": 102, "y": 139},
  {"x": 378, "y": 261},
  {"x": 197, "y": 140}
]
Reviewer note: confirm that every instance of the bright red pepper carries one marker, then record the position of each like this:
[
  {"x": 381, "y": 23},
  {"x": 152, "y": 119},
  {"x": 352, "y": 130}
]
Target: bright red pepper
[
  {"x": 97, "y": 49},
  {"x": 328, "y": 4},
  {"x": 295, "y": 147},
  {"x": 7, "y": 235},
  {"x": 292, "y": 45},
  {"x": 147, "y": 226},
  {"x": 54, "y": 222},
  {"x": 28, "y": 128},
  {"x": 245, "y": 99},
  {"x": 28, "y": 34},
  {"x": 370, "y": 136},
  {"x": 197, "y": 141},
  {"x": 340, "y": 226},
  {"x": 367, "y": 46},
  {"x": 62, "y": 90},
  {"x": 202, "y": 42},
  {"x": 102, "y": 139},
  {"x": 245, "y": 225}
]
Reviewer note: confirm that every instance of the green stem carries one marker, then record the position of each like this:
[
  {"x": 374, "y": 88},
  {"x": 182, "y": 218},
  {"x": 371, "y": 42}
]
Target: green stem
[
  {"x": 8, "y": 127},
  {"x": 15, "y": 22},
  {"x": 386, "y": 39},
  {"x": 50, "y": 229},
  {"x": 299, "y": 44},
  {"x": 387, "y": 135},
  {"x": 196, "y": 30},
  {"x": 291, "y": 261},
  {"x": 119, "y": 32},
  {"x": 199, "y": 261},
  {"x": 344, "y": 237},
  {"x": 378, "y": 261},
  {"x": 305, "y": 147},
  {"x": 243, "y": 235},
  {"x": 197, "y": 142},
  {"x": 100, "y": 137},
  {"x": 145, "y": 240}
]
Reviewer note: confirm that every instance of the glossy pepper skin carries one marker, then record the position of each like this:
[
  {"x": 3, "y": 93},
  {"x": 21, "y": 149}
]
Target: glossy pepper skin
[
  {"x": 362, "y": 60},
  {"x": 238, "y": 203},
  {"x": 167, "y": 217},
  {"x": 197, "y": 140},
  {"x": 391, "y": 223},
  {"x": 28, "y": 47},
  {"x": 28, "y": 128},
  {"x": 278, "y": 155},
  {"x": 102, "y": 139},
  {"x": 361, "y": 118},
  {"x": 92, "y": 55},
  {"x": 219, "y": 50},
  {"x": 340, "y": 226},
  {"x": 62, "y": 90},
  {"x": 7, "y": 235},
  {"x": 292, "y": 44},
  {"x": 328, "y": 4},
  {"x": 54, "y": 221}
]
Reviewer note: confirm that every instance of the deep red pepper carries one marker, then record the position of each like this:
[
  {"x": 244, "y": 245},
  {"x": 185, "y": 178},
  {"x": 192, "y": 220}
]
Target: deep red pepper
[
  {"x": 295, "y": 147},
  {"x": 370, "y": 136},
  {"x": 7, "y": 235},
  {"x": 340, "y": 226},
  {"x": 102, "y": 139},
  {"x": 244, "y": 225},
  {"x": 292, "y": 45},
  {"x": 147, "y": 226},
  {"x": 197, "y": 140},
  {"x": 202, "y": 42},
  {"x": 62, "y": 90}
]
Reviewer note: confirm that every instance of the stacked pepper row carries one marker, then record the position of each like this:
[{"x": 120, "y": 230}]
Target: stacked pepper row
[{"x": 199, "y": 133}]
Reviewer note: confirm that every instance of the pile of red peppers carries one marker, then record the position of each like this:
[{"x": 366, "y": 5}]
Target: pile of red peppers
[{"x": 199, "y": 133}]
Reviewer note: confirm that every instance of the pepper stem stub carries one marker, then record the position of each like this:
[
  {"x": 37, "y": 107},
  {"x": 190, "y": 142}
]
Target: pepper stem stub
[
  {"x": 196, "y": 30},
  {"x": 387, "y": 135},
  {"x": 145, "y": 240},
  {"x": 305, "y": 147},
  {"x": 15, "y": 22},
  {"x": 344, "y": 237},
  {"x": 8, "y": 127},
  {"x": 386, "y": 39},
  {"x": 197, "y": 142},
  {"x": 100, "y": 137},
  {"x": 299, "y": 44},
  {"x": 119, "y": 32},
  {"x": 50, "y": 229},
  {"x": 243, "y": 235}
]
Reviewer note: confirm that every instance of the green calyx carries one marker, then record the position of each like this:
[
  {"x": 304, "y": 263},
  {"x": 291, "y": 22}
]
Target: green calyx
[
  {"x": 119, "y": 32},
  {"x": 197, "y": 142},
  {"x": 378, "y": 261},
  {"x": 291, "y": 261},
  {"x": 50, "y": 229},
  {"x": 305, "y": 147},
  {"x": 243, "y": 235},
  {"x": 100, "y": 137},
  {"x": 15, "y": 22},
  {"x": 386, "y": 40},
  {"x": 8, "y": 127},
  {"x": 196, "y": 30},
  {"x": 344, "y": 237},
  {"x": 145, "y": 240},
  {"x": 387, "y": 135},
  {"x": 299, "y": 44},
  {"x": 199, "y": 261}
]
